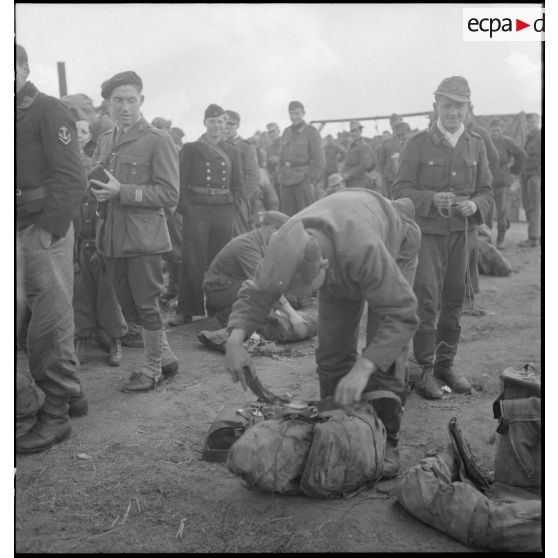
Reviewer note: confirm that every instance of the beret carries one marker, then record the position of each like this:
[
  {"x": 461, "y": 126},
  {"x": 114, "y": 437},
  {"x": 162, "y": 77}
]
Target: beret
[
  {"x": 232, "y": 115},
  {"x": 455, "y": 88},
  {"x": 293, "y": 105},
  {"x": 123, "y": 78},
  {"x": 401, "y": 127},
  {"x": 212, "y": 111}
]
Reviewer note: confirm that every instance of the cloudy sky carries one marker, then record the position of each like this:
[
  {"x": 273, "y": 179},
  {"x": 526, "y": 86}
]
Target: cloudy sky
[{"x": 340, "y": 60}]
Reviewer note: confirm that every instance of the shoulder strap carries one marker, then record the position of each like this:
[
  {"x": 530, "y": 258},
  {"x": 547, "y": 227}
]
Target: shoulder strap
[{"x": 218, "y": 150}]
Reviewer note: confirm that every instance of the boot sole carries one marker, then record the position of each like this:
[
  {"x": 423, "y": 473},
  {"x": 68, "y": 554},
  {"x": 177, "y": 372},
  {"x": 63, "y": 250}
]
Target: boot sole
[{"x": 44, "y": 448}]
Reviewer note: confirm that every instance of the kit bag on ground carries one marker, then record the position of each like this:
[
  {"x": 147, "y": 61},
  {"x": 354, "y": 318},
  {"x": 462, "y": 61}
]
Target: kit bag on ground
[
  {"x": 330, "y": 454},
  {"x": 271, "y": 455},
  {"x": 347, "y": 452},
  {"x": 518, "y": 410}
]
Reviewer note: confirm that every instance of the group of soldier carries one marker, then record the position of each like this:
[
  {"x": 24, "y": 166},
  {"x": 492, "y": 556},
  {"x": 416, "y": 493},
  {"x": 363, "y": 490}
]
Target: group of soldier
[{"x": 141, "y": 197}]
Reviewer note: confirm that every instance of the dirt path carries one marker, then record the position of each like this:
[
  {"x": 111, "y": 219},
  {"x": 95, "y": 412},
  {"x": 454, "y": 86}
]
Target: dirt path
[{"x": 144, "y": 487}]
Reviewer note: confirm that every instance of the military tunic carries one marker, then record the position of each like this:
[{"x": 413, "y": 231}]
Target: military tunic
[
  {"x": 301, "y": 167},
  {"x": 132, "y": 232},
  {"x": 372, "y": 250},
  {"x": 428, "y": 165},
  {"x": 531, "y": 184},
  {"x": 388, "y": 153},
  {"x": 50, "y": 181},
  {"x": 358, "y": 161},
  {"x": 210, "y": 190},
  {"x": 250, "y": 185}
]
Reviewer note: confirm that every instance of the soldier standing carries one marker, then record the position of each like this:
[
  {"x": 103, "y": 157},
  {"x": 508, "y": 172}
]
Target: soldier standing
[
  {"x": 250, "y": 173},
  {"x": 142, "y": 180},
  {"x": 531, "y": 182},
  {"x": 272, "y": 151},
  {"x": 301, "y": 162},
  {"x": 50, "y": 182},
  {"x": 359, "y": 159},
  {"x": 389, "y": 152},
  {"x": 444, "y": 170},
  {"x": 512, "y": 160},
  {"x": 210, "y": 190}
]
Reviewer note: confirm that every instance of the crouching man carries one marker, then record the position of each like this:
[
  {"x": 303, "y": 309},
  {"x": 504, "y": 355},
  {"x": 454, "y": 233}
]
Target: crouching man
[{"x": 353, "y": 247}]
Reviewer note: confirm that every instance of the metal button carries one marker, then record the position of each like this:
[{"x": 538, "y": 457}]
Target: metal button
[
  {"x": 430, "y": 163},
  {"x": 453, "y": 173},
  {"x": 223, "y": 163}
]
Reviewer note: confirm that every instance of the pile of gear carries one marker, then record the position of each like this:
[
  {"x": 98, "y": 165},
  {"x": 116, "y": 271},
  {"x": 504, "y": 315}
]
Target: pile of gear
[
  {"x": 285, "y": 446},
  {"x": 451, "y": 493}
]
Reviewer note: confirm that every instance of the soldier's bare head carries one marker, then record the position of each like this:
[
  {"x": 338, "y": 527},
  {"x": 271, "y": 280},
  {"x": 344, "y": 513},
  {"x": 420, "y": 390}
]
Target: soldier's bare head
[
  {"x": 496, "y": 127},
  {"x": 22, "y": 67},
  {"x": 296, "y": 112},
  {"x": 232, "y": 123},
  {"x": 273, "y": 130}
]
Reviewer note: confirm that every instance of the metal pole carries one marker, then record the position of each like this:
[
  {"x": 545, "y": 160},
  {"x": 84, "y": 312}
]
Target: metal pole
[{"x": 62, "y": 79}]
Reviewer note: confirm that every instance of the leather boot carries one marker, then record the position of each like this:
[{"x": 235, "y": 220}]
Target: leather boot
[
  {"x": 134, "y": 337},
  {"x": 149, "y": 374},
  {"x": 52, "y": 427},
  {"x": 80, "y": 344},
  {"x": 78, "y": 406},
  {"x": 169, "y": 362},
  {"x": 115, "y": 356},
  {"x": 500, "y": 240},
  {"x": 424, "y": 343},
  {"x": 446, "y": 347},
  {"x": 390, "y": 412},
  {"x": 24, "y": 425},
  {"x": 427, "y": 385}
]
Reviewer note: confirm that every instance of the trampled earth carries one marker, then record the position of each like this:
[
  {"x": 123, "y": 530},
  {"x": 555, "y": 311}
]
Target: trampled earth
[{"x": 131, "y": 478}]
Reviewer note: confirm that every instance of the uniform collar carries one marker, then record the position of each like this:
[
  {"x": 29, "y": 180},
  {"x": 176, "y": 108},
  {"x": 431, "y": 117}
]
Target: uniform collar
[
  {"x": 299, "y": 127},
  {"x": 133, "y": 132},
  {"x": 437, "y": 137},
  {"x": 27, "y": 95}
]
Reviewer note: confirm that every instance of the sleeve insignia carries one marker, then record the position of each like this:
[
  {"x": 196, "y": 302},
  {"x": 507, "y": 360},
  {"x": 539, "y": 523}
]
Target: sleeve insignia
[{"x": 64, "y": 135}]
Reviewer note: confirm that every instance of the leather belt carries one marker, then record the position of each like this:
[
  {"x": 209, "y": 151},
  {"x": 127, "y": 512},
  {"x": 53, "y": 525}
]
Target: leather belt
[{"x": 30, "y": 195}]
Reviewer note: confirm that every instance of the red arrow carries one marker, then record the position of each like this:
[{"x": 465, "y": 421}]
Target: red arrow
[{"x": 519, "y": 25}]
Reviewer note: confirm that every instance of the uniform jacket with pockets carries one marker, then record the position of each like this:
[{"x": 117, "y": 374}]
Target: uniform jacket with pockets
[
  {"x": 145, "y": 163},
  {"x": 429, "y": 164}
]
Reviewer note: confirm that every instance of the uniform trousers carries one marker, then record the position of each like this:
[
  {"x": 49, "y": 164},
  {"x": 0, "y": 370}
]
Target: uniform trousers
[
  {"x": 338, "y": 331},
  {"x": 138, "y": 283},
  {"x": 531, "y": 198},
  {"x": 296, "y": 197},
  {"x": 95, "y": 301},
  {"x": 440, "y": 289},
  {"x": 206, "y": 229},
  {"x": 502, "y": 202},
  {"x": 48, "y": 285}
]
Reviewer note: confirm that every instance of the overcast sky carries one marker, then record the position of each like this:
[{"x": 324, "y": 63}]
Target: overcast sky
[{"x": 340, "y": 60}]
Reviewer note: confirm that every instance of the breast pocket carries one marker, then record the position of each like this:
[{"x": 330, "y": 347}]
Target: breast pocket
[
  {"x": 433, "y": 174},
  {"x": 133, "y": 169},
  {"x": 470, "y": 176}
]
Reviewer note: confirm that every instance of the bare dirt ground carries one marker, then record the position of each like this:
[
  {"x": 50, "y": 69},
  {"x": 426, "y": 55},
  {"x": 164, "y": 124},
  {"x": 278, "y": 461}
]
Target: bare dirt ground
[{"x": 144, "y": 487}]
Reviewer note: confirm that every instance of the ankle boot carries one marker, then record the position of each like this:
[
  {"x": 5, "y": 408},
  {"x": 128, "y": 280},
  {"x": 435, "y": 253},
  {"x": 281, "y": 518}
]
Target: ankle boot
[
  {"x": 52, "y": 427},
  {"x": 427, "y": 385},
  {"x": 446, "y": 347},
  {"x": 115, "y": 356},
  {"x": 78, "y": 406},
  {"x": 169, "y": 362},
  {"x": 80, "y": 344},
  {"x": 149, "y": 373}
]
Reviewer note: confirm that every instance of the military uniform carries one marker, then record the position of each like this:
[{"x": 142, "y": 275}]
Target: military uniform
[
  {"x": 210, "y": 189},
  {"x": 531, "y": 185},
  {"x": 372, "y": 247},
  {"x": 95, "y": 304},
  {"x": 250, "y": 185},
  {"x": 301, "y": 166},
  {"x": 132, "y": 233},
  {"x": 429, "y": 164},
  {"x": 512, "y": 160},
  {"x": 358, "y": 161},
  {"x": 50, "y": 182},
  {"x": 388, "y": 152},
  {"x": 274, "y": 150}
]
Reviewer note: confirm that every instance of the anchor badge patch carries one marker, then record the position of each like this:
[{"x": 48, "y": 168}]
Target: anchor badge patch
[{"x": 64, "y": 135}]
